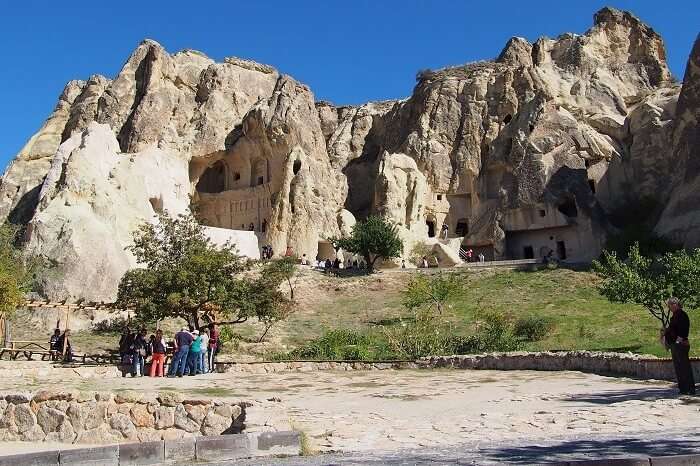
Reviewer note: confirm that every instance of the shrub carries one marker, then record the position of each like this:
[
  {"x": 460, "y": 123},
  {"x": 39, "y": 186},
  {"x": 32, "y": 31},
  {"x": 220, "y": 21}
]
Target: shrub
[
  {"x": 422, "y": 336},
  {"x": 532, "y": 328},
  {"x": 338, "y": 344},
  {"x": 495, "y": 334}
]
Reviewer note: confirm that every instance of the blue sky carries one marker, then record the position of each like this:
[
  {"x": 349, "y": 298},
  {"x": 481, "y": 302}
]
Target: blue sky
[{"x": 349, "y": 52}]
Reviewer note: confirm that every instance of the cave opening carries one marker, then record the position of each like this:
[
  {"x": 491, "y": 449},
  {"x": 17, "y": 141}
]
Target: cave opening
[
  {"x": 568, "y": 208},
  {"x": 213, "y": 180}
]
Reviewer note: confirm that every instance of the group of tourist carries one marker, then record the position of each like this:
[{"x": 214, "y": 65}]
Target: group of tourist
[
  {"x": 267, "y": 253},
  {"x": 60, "y": 347},
  {"x": 328, "y": 264},
  {"x": 193, "y": 351}
]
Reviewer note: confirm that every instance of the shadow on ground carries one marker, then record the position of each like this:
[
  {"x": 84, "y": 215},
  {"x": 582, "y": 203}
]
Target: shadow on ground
[
  {"x": 585, "y": 449},
  {"x": 609, "y": 397}
]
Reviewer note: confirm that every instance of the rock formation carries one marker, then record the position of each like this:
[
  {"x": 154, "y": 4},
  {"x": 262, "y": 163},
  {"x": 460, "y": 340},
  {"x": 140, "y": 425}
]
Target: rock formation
[{"x": 522, "y": 156}]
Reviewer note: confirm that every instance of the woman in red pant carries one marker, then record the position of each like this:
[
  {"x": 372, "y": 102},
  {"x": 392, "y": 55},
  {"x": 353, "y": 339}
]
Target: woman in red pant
[{"x": 158, "y": 355}]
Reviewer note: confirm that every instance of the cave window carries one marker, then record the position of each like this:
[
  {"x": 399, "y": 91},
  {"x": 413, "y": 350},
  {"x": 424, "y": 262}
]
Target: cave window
[
  {"x": 532, "y": 127},
  {"x": 507, "y": 119},
  {"x": 591, "y": 184},
  {"x": 213, "y": 180},
  {"x": 296, "y": 167},
  {"x": 462, "y": 227},
  {"x": 259, "y": 169},
  {"x": 587, "y": 163},
  {"x": 236, "y": 176},
  {"x": 439, "y": 197},
  {"x": 263, "y": 226},
  {"x": 543, "y": 213},
  {"x": 528, "y": 252},
  {"x": 568, "y": 208}
]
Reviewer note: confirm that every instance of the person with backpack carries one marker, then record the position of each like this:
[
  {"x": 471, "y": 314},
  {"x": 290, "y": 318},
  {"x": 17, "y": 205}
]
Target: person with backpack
[{"x": 158, "y": 349}]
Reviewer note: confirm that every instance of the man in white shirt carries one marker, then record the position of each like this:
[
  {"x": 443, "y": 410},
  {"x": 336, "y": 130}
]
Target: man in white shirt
[{"x": 203, "y": 351}]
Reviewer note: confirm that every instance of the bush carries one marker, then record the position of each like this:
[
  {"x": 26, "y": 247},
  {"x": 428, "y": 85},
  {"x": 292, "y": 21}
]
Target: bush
[
  {"x": 422, "y": 336},
  {"x": 115, "y": 325},
  {"x": 339, "y": 344},
  {"x": 495, "y": 334},
  {"x": 533, "y": 328}
]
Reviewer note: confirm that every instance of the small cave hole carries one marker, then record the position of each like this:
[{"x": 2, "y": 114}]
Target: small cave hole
[
  {"x": 236, "y": 176},
  {"x": 543, "y": 213},
  {"x": 296, "y": 167},
  {"x": 507, "y": 119},
  {"x": 568, "y": 208}
]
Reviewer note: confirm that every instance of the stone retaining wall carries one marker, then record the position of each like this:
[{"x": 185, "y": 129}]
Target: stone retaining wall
[
  {"x": 629, "y": 365},
  {"x": 100, "y": 418}
]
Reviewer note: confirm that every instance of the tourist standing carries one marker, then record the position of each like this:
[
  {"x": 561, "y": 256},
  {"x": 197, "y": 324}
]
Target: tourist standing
[
  {"x": 676, "y": 336},
  {"x": 444, "y": 230},
  {"x": 424, "y": 262},
  {"x": 158, "y": 348},
  {"x": 214, "y": 345},
  {"x": 204, "y": 348},
  {"x": 64, "y": 347},
  {"x": 183, "y": 340},
  {"x": 193, "y": 357},
  {"x": 53, "y": 344},
  {"x": 304, "y": 261},
  {"x": 139, "y": 354}
]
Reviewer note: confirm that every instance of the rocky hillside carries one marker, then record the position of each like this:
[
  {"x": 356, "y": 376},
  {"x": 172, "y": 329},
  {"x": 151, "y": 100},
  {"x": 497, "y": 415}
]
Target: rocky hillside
[{"x": 522, "y": 156}]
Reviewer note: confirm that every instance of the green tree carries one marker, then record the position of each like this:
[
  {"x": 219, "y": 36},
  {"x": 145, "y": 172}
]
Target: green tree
[
  {"x": 649, "y": 281},
  {"x": 187, "y": 276},
  {"x": 432, "y": 291},
  {"x": 372, "y": 239},
  {"x": 15, "y": 274},
  {"x": 272, "y": 305},
  {"x": 283, "y": 270}
]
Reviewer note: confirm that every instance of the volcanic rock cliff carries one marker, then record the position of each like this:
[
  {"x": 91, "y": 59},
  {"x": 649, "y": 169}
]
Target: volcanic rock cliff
[{"x": 522, "y": 156}]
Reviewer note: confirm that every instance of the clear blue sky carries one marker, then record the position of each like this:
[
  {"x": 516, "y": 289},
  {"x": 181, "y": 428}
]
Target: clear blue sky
[{"x": 348, "y": 51}]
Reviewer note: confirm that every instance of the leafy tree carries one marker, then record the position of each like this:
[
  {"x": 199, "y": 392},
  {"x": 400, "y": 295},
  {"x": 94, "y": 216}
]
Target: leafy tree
[
  {"x": 373, "y": 238},
  {"x": 186, "y": 276},
  {"x": 431, "y": 291},
  {"x": 15, "y": 274},
  {"x": 649, "y": 281},
  {"x": 283, "y": 270}
]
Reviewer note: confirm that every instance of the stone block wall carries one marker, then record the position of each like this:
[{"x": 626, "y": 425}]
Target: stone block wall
[{"x": 101, "y": 418}]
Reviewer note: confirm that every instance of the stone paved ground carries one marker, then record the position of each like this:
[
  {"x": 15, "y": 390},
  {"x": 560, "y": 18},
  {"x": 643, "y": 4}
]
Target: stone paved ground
[
  {"x": 522, "y": 451},
  {"x": 441, "y": 410}
]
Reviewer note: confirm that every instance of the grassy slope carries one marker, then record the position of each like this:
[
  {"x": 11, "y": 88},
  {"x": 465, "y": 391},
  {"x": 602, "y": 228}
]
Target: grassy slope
[{"x": 583, "y": 319}]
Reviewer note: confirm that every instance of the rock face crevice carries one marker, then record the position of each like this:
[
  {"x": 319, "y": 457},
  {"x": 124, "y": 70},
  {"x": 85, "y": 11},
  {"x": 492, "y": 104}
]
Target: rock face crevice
[{"x": 527, "y": 154}]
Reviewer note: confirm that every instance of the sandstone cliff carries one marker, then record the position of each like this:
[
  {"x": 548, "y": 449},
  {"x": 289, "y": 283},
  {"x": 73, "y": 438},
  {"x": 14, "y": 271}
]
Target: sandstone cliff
[{"x": 520, "y": 156}]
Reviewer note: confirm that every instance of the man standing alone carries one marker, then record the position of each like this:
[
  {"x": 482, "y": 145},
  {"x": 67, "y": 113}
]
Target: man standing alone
[{"x": 676, "y": 336}]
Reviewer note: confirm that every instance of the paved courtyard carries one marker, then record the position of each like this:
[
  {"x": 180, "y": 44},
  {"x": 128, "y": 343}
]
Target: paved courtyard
[{"x": 397, "y": 411}]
